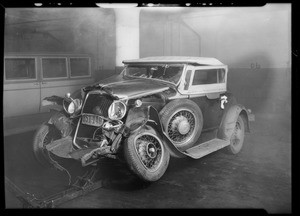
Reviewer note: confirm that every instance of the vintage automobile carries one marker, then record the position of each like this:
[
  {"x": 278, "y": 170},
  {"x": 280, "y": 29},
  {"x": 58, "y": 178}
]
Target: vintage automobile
[{"x": 157, "y": 107}]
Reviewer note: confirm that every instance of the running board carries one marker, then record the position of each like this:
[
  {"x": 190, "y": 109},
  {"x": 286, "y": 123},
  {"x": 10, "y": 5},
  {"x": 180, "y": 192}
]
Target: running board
[{"x": 206, "y": 148}]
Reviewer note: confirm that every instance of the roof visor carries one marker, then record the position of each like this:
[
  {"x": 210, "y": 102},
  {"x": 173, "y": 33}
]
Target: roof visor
[{"x": 177, "y": 59}]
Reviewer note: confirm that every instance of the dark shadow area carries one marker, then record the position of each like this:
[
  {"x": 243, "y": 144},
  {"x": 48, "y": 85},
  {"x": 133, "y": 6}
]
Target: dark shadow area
[
  {"x": 117, "y": 176},
  {"x": 262, "y": 88},
  {"x": 24, "y": 171}
]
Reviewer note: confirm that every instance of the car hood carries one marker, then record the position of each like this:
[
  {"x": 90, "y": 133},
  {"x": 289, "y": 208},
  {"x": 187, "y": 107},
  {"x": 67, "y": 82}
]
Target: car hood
[{"x": 123, "y": 87}]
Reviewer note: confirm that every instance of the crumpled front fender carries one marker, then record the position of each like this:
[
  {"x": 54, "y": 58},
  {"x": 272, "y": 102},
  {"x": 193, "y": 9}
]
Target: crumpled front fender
[
  {"x": 142, "y": 116},
  {"x": 62, "y": 123},
  {"x": 136, "y": 118},
  {"x": 54, "y": 102}
]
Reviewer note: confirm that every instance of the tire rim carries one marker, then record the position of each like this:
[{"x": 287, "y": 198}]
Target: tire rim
[
  {"x": 181, "y": 126},
  {"x": 236, "y": 136},
  {"x": 149, "y": 150},
  {"x": 47, "y": 140}
]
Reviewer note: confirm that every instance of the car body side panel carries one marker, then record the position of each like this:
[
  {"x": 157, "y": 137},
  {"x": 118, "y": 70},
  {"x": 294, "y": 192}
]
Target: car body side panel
[{"x": 212, "y": 110}]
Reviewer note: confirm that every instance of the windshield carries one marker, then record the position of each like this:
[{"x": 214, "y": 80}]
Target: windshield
[{"x": 169, "y": 73}]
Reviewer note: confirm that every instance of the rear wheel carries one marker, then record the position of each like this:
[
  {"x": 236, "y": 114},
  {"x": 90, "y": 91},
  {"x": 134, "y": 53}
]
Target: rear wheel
[
  {"x": 43, "y": 136},
  {"x": 146, "y": 155},
  {"x": 237, "y": 137}
]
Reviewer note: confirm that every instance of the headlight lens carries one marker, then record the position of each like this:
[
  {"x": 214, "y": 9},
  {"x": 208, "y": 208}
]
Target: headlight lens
[
  {"x": 117, "y": 110},
  {"x": 74, "y": 106}
]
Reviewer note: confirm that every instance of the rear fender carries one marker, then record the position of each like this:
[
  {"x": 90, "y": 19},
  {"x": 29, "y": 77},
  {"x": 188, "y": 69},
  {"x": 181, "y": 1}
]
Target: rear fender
[{"x": 229, "y": 120}]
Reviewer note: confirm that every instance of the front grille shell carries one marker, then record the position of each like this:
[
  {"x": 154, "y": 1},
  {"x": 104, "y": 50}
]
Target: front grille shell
[
  {"x": 93, "y": 99},
  {"x": 96, "y": 99}
]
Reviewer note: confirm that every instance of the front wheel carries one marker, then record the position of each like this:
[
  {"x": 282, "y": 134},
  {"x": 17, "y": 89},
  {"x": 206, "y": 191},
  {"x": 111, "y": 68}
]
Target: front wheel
[
  {"x": 44, "y": 135},
  {"x": 146, "y": 155}
]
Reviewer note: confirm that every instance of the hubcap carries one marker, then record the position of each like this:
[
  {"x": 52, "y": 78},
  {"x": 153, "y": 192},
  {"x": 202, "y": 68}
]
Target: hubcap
[
  {"x": 181, "y": 126},
  {"x": 184, "y": 127},
  {"x": 149, "y": 149}
]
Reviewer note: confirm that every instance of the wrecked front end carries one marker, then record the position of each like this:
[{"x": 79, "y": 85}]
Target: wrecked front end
[{"x": 94, "y": 124}]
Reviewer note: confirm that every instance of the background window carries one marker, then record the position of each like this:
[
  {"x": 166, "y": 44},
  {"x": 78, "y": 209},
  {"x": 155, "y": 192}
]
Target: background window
[
  {"x": 209, "y": 76},
  {"x": 54, "y": 67},
  {"x": 20, "y": 68},
  {"x": 79, "y": 66}
]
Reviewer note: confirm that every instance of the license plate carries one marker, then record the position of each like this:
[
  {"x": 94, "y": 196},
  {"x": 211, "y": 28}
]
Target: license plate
[{"x": 93, "y": 120}]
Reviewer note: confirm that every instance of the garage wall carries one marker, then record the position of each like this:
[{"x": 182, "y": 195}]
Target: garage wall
[
  {"x": 69, "y": 30},
  {"x": 162, "y": 34},
  {"x": 254, "y": 42}
]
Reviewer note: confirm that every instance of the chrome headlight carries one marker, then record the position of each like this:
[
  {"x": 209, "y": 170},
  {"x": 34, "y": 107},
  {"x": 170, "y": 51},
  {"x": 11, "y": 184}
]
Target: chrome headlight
[
  {"x": 74, "y": 106},
  {"x": 117, "y": 110}
]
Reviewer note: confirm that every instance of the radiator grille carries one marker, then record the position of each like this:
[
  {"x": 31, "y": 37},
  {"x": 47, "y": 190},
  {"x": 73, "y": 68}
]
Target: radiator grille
[{"x": 97, "y": 100}]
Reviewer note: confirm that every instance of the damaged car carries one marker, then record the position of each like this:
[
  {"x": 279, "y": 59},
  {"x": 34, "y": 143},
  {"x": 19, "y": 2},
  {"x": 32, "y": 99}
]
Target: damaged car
[{"x": 156, "y": 108}]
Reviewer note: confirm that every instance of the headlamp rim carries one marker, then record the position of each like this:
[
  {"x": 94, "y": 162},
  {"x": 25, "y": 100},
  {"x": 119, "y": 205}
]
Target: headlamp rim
[
  {"x": 123, "y": 114},
  {"x": 76, "y": 106}
]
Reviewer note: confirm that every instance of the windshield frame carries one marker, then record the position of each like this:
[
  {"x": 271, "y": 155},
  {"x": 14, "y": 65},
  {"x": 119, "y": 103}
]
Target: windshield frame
[{"x": 155, "y": 64}]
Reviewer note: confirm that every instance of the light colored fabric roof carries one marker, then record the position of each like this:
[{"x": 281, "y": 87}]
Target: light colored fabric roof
[{"x": 176, "y": 59}]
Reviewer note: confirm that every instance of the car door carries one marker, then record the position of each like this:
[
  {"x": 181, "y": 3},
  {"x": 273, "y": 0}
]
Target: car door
[
  {"x": 207, "y": 83},
  {"x": 64, "y": 74},
  {"x": 21, "y": 94}
]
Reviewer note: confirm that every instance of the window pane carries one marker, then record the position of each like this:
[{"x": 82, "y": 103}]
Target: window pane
[
  {"x": 137, "y": 71},
  {"x": 221, "y": 74},
  {"x": 187, "y": 79},
  {"x": 79, "y": 66},
  {"x": 168, "y": 73},
  {"x": 20, "y": 68},
  {"x": 205, "y": 77},
  {"x": 53, "y": 67}
]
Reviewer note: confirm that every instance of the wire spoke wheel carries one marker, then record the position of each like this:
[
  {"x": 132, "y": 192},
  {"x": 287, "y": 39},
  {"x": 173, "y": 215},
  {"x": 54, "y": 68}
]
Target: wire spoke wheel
[
  {"x": 182, "y": 120},
  {"x": 181, "y": 126},
  {"x": 149, "y": 149},
  {"x": 146, "y": 155},
  {"x": 44, "y": 136},
  {"x": 236, "y": 137}
]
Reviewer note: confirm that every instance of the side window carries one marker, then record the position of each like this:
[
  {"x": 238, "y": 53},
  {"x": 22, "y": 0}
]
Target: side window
[
  {"x": 221, "y": 75},
  {"x": 209, "y": 76},
  {"x": 79, "y": 67},
  {"x": 20, "y": 68},
  {"x": 54, "y": 67},
  {"x": 187, "y": 79}
]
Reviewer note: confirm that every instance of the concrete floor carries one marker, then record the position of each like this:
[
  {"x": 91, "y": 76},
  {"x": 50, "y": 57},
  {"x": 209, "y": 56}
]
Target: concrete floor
[{"x": 259, "y": 177}]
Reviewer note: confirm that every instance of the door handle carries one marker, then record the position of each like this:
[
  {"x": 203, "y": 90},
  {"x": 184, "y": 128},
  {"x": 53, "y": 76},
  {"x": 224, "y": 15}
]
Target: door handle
[
  {"x": 44, "y": 82},
  {"x": 36, "y": 84}
]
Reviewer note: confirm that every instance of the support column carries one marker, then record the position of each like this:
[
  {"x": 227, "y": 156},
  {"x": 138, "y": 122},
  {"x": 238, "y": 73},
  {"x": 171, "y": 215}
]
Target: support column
[{"x": 127, "y": 34}]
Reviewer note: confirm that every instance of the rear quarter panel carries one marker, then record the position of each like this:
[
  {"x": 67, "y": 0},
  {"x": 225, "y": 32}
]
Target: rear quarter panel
[{"x": 211, "y": 109}]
